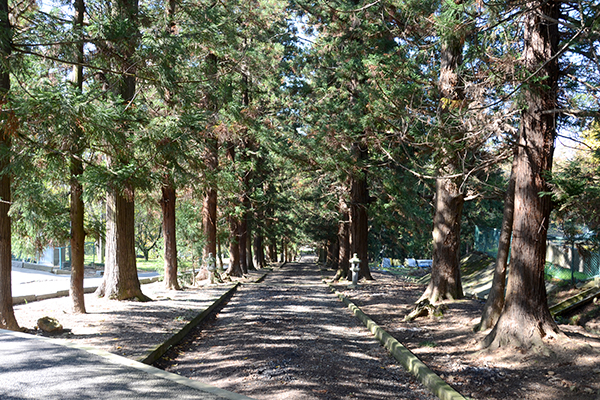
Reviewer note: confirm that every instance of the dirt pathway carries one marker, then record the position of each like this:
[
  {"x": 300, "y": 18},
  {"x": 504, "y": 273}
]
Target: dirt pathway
[{"x": 290, "y": 338}]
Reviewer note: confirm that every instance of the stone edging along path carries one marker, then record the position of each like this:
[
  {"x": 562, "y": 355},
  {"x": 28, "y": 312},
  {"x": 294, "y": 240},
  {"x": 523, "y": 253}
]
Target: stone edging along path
[
  {"x": 162, "y": 348},
  {"x": 408, "y": 360}
]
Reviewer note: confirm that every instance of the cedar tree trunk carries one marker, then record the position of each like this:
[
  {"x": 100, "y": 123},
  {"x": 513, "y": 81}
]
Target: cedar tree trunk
[
  {"x": 249, "y": 256},
  {"x": 234, "y": 248},
  {"x": 449, "y": 200},
  {"x": 77, "y": 239},
  {"x": 77, "y": 209},
  {"x": 242, "y": 238},
  {"x": 7, "y": 314},
  {"x": 167, "y": 204},
  {"x": 525, "y": 318},
  {"x": 359, "y": 203},
  {"x": 259, "y": 251},
  {"x": 120, "y": 273},
  {"x": 445, "y": 272},
  {"x": 495, "y": 301},
  {"x": 344, "y": 249}
]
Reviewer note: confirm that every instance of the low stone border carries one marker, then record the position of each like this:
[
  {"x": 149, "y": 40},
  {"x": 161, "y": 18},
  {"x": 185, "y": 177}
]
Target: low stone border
[
  {"x": 64, "y": 293},
  {"x": 162, "y": 348},
  {"x": 408, "y": 360}
]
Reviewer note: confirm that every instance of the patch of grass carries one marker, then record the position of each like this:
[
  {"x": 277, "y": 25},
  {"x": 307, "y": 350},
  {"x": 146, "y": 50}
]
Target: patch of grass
[
  {"x": 563, "y": 274},
  {"x": 428, "y": 343},
  {"x": 151, "y": 265}
]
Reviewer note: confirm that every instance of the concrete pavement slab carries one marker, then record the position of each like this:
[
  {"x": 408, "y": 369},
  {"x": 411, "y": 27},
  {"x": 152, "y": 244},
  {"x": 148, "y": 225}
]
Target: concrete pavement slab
[{"x": 33, "y": 367}]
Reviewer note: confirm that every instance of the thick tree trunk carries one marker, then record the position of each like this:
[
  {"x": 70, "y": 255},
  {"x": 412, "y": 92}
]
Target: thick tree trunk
[
  {"x": 359, "y": 203},
  {"x": 445, "y": 273},
  {"x": 273, "y": 249},
  {"x": 332, "y": 254},
  {"x": 525, "y": 318},
  {"x": 209, "y": 222},
  {"x": 120, "y": 273},
  {"x": 495, "y": 301},
  {"x": 234, "y": 248},
  {"x": 242, "y": 238},
  {"x": 249, "y": 256},
  {"x": 77, "y": 239},
  {"x": 167, "y": 203},
  {"x": 77, "y": 209},
  {"x": 449, "y": 200},
  {"x": 259, "y": 251},
  {"x": 344, "y": 246},
  {"x": 7, "y": 315}
]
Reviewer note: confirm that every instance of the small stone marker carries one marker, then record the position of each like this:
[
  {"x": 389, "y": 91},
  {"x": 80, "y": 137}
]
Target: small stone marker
[{"x": 49, "y": 325}]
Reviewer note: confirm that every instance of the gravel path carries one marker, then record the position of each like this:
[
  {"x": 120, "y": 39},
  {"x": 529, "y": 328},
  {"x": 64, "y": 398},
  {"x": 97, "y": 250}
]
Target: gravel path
[{"x": 290, "y": 338}]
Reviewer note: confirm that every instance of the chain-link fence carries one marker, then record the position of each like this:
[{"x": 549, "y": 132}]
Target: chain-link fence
[{"x": 577, "y": 260}]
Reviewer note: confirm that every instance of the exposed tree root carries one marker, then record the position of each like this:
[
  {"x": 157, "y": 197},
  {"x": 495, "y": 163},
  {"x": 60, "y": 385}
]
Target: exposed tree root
[{"x": 425, "y": 308}]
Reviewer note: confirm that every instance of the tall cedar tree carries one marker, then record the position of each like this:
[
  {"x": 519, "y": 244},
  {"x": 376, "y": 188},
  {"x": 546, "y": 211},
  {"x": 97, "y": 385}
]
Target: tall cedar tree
[
  {"x": 495, "y": 301},
  {"x": 76, "y": 167},
  {"x": 120, "y": 279},
  {"x": 525, "y": 318},
  {"x": 168, "y": 192},
  {"x": 7, "y": 315},
  {"x": 445, "y": 280}
]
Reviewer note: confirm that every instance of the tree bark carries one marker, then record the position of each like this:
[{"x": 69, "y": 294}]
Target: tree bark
[
  {"x": 249, "y": 256},
  {"x": 259, "y": 250},
  {"x": 359, "y": 203},
  {"x": 332, "y": 254},
  {"x": 273, "y": 249},
  {"x": 234, "y": 248},
  {"x": 76, "y": 289},
  {"x": 495, "y": 301},
  {"x": 209, "y": 205},
  {"x": 120, "y": 273},
  {"x": 344, "y": 244},
  {"x": 449, "y": 200},
  {"x": 526, "y": 320},
  {"x": 167, "y": 203},
  {"x": 445, "y": 272},
  {"x": 77, "y": 239},
  {"x": 7, "y": 315},
  {"x": 242, "y": 238}
]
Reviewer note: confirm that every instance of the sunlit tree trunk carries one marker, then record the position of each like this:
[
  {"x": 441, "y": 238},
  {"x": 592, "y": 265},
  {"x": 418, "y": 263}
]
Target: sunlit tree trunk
[
  {"x": 344, "y": 244},
  {"x": 445, "y": 273},
  {"x": 120, "y": 273},
  {"x": 525, "y": 318},
  {"x": 7, "y": 315},
  {"x": 359, "y": 217},
  {"x": 120, "y": 278},
  {"x": 76, "y": 290},
  {"x": 449, "y": 198},
  {"x": 495, "y": 301},
  {"x": 168, "y": 203}
]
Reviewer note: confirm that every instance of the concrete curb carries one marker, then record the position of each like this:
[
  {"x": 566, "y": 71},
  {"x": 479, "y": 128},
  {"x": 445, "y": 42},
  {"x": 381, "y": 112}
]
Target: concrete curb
[
  {"x": 64, "y": 293},
  {"x": 408, "y": 360},
  {"x": 119, "y": 360},
  {"x": 162, "y": 348}
]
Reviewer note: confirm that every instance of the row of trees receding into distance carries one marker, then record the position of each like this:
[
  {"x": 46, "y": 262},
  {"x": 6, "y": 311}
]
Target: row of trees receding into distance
[{"x": 358, "y": 125}]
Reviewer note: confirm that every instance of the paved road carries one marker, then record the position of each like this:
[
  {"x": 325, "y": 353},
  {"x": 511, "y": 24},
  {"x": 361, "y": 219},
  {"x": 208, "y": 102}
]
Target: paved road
[{"x": 37, "y": 368}]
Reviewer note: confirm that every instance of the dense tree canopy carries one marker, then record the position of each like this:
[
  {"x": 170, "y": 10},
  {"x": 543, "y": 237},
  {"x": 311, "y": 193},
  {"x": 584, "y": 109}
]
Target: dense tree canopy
[{"x": 382, "y": 128}]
